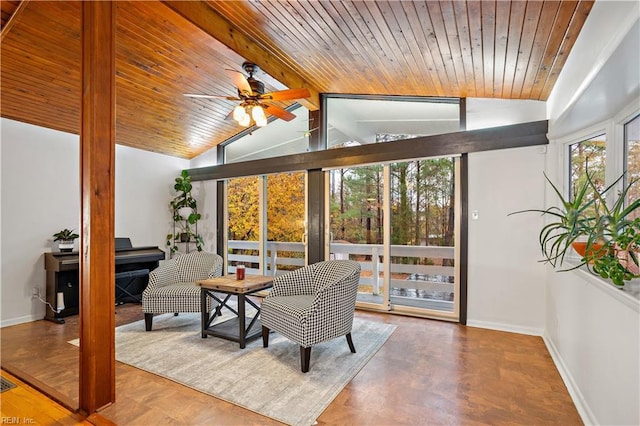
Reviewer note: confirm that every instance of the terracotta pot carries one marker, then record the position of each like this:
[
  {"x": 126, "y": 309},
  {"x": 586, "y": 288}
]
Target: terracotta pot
[{"x": 581, "y": 247}]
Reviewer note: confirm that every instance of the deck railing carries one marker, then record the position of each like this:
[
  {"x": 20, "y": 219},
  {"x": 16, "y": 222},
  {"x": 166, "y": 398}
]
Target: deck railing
[{"x": 283, "y": 256}]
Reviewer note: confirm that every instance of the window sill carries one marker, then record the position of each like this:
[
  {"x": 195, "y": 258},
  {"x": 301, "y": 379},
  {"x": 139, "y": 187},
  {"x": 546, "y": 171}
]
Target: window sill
[{"x": 629, "y": 294}]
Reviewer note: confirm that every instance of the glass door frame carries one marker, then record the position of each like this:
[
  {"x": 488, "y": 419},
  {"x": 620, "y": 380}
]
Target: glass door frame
[{"x": 386, "y": 304}]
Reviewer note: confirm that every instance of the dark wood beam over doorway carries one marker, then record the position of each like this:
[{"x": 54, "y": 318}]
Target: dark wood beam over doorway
[{"x": 97, "y": 182}]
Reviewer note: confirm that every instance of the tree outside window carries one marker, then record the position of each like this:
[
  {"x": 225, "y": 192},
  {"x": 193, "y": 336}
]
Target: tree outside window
[{"x": 587, "y": 156}]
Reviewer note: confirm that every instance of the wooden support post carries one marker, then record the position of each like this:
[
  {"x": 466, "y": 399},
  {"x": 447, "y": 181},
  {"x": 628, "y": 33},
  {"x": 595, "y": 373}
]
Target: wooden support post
[{"x": 97, "y": 177}]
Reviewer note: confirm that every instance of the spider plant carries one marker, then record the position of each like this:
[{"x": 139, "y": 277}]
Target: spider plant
[
  {"x": 619, "y": 233},
  {"x": 571, "y": 221},
  {"x": 612, "y": 236}
]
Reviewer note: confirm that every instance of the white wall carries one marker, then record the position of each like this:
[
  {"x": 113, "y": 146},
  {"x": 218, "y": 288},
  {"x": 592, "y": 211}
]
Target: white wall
[
  {"x": 505, "y": 283},
  {"x": 41, "y": 195},
  {"x": 144, "y": 187},
  {"x": 205, "y": 193},
  {"x": 594, "y": 338},
  {"x": 592, "y": 330}
]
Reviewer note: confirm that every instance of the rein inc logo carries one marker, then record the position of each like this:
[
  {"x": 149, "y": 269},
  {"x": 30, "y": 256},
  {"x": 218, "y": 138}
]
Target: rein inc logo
[{"x": 18, "y": 421}]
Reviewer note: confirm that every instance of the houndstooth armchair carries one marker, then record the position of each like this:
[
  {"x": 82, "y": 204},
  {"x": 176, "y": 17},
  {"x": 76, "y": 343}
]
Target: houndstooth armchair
[
  {"x": 312, "y": 305},
  {"x": 172, "y": 286}
]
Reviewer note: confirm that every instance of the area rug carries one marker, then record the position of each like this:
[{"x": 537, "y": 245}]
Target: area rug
[{"x": 267, "y": 381}]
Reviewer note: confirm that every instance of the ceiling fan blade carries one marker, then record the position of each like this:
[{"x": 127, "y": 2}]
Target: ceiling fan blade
[
  {"x": 281, "y": 113},
  {"x": 195, "y": 95},
  {"x": 240, "y": 81},
  {"x": 285, "y": 95}
]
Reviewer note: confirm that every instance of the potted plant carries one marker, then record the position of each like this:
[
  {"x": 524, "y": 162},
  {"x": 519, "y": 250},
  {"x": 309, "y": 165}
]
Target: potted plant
[
  {"x": 185, "y": 215},
  {"x": 66, "y": 238},
  {"x": 619, "y": 235},
  {"x": 604, "y": 235}
]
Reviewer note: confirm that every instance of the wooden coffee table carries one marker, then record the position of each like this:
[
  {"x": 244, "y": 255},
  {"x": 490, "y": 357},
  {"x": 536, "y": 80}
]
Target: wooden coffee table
[{"x": 235, "y": 329}]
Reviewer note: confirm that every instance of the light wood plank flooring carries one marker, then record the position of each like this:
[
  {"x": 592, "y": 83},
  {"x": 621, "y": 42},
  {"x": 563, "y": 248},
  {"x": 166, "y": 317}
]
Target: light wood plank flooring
[
  {"x": 428, "y": 372},
  {"x": 23, "y": 404}
]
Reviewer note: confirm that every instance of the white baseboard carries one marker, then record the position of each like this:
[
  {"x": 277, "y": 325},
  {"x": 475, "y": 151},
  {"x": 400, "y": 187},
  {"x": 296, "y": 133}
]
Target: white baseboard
[
  {"x": 531, "y": 331},
  {"x": 21, "y": 320},
  {"x": 574, "y": 391}
]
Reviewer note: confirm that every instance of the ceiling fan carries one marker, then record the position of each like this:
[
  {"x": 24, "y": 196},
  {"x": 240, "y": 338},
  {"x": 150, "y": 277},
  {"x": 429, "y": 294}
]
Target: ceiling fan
[{"x": 254, "y": 102}]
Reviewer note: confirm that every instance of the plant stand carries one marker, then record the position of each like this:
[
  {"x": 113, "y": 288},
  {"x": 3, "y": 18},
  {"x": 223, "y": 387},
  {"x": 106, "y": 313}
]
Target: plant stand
[{"x": 183, "y": 240}]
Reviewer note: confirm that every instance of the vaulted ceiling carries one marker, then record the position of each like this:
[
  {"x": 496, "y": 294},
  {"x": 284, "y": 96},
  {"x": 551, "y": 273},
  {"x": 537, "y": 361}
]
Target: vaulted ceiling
[{"x": 489, "y": 49}]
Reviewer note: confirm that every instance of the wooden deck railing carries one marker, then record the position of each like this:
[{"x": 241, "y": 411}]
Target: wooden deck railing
[{"x": 283, "y": 256}]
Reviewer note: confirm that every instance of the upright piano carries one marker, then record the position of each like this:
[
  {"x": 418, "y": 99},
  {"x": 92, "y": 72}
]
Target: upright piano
[{"x": 133, "y": 265}]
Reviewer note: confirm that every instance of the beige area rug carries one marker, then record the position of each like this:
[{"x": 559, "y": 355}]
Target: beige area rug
[{"x": 267, "y": 381}]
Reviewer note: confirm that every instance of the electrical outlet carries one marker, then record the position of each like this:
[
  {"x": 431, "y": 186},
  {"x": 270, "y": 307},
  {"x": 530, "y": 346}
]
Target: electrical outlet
[{"x": 35, "y": 292}]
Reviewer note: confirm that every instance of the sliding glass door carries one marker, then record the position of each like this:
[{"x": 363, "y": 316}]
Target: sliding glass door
[
  {"x": 357, "y": 227},
  {"x": 400, "y": 221},
  {"x": 423, "y": 230},
  {"x": 266, "y": 223}
]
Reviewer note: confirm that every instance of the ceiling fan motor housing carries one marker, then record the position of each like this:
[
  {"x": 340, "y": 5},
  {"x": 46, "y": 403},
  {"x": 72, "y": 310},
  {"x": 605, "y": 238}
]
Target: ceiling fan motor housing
[{"x": 257, "y": 87}]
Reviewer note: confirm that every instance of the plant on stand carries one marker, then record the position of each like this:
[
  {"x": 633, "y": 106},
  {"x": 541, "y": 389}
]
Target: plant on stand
[
  {"x": 606, "y": 238},
  {"x": 185, "y": 215},
  {"x": 66, "y": 238}
]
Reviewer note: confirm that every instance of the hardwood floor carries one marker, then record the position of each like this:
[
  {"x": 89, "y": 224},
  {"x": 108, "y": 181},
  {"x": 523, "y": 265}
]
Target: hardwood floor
[
  {"x": 428, "y": 372},
  {"x": 25, "y": 405}
]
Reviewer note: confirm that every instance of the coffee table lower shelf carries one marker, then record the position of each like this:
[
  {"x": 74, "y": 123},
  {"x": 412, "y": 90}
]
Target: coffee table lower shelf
[{"x": 230, "y": 330}]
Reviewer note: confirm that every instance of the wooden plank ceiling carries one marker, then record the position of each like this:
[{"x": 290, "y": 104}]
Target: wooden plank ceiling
[{"x": 492, "y": 49}]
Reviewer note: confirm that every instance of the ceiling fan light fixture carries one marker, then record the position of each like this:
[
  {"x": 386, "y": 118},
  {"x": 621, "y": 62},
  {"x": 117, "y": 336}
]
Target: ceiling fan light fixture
[
  {"x": 239, "y": 113},
  {"x": 257, "y": 113},
  {"x": 245, "y": 120},
  {"x": 261, "y": 122}
]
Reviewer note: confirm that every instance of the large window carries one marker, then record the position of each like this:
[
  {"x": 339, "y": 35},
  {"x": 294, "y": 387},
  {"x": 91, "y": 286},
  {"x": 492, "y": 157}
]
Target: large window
[
  {"x": 609, "y": 153},
  {"x": 360, "y": 121},
  {"x": 266, "y": 223},
  {"x": 587, "y": 157}
]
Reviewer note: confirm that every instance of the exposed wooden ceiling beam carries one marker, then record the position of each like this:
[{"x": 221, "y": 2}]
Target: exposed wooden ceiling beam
[
  {"x": 492, "y": 138},
  {"x": 12, "y": 20},
  {"x": 218, "y": 27}
]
